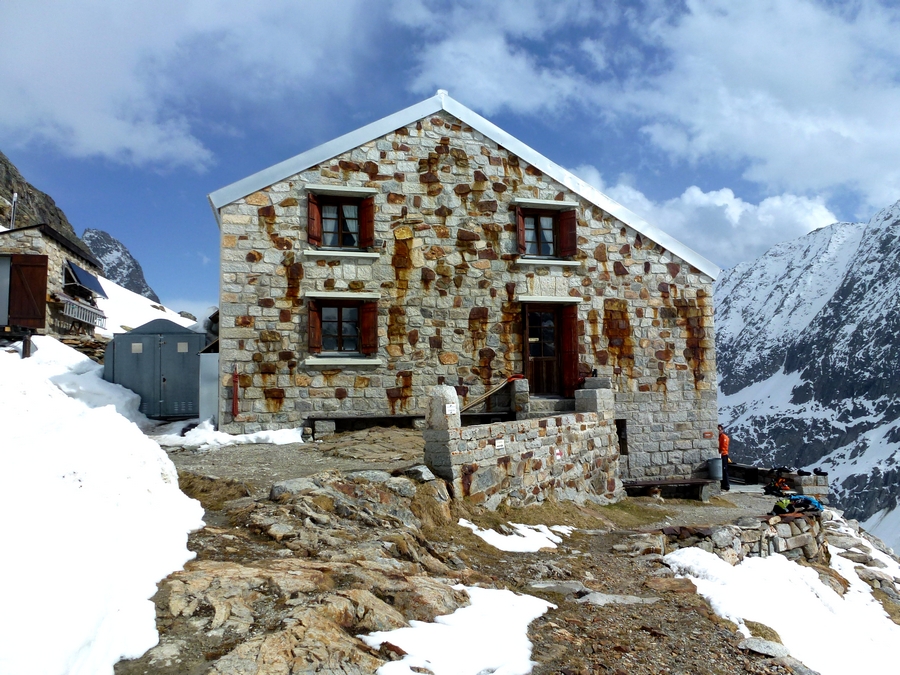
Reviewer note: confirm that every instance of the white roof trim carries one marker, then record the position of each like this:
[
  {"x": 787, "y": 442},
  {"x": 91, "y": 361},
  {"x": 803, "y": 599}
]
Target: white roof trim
[
  {"x": 340, "y": 190},
  {"x": 549, "y": 204},
  {"x": 438, "y": 102}
]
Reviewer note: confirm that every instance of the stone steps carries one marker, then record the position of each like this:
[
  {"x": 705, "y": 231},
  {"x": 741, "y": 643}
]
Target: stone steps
[{"x": 543, "y": 406}]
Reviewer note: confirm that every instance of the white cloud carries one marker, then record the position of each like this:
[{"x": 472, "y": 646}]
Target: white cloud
[
  {"x": 486, "y": 53},
  {"x": 803, "y": 94},
  {"x": 120, "y": 80},
  {"x": 717, "y": 224}
]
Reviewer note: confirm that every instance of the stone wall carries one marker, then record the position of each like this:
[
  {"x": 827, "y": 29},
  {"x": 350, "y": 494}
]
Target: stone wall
[
  {"x": 448, "y": 281},
  {"x": 793, "y": 535},
  {"x": 566, "y": 457},
  {"x": 32, "y": 241}
]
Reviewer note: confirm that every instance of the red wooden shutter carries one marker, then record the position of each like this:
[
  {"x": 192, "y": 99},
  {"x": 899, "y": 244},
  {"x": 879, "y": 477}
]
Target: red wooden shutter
[
  {"x": 367, "y": 222},
  {"x": 313, "y": 220},
  {"x": 368, "y": 328},
  {"x": 27, "y": 291},
  {"x": 568, "y": 241},
  {"x": 314, "y": 331},
  {"x": 569, "y": 349},
  {"x": 520, "y": 230}
]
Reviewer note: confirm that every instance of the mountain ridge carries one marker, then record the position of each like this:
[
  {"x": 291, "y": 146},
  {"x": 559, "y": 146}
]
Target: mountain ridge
[{"x": 806, "y": 340}]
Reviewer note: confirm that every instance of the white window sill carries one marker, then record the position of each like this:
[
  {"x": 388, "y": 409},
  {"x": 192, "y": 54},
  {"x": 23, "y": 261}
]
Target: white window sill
[
  {"x": 341, "y": 190},
  {"x": 550, "y": 299},
  {"x": 546, "y": 204},
  {"x": 335, "y": 253},
  {"x": 349, "y": 361},
  {"x": 545, "y": 262},
  {"x": 342, "y": 295}
]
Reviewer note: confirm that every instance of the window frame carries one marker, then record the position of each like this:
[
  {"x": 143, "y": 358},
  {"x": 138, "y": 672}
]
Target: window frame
[
  {"x": 367, "y": 326},
  {"x": 564, "y": 232},
  {"x": 365, "y": 205}
]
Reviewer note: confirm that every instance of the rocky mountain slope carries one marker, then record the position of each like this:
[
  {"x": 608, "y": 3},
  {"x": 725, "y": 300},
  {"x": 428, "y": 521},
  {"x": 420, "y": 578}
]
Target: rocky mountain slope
[
  {"x": 118, "y": 263},
  {"x": 33, "y": 207},
  {"x": 807, "y": 341}
]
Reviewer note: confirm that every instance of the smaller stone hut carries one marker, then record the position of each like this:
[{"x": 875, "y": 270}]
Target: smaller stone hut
[{"x": 48, "y": 283}]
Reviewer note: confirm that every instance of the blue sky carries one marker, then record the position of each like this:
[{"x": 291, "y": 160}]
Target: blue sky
[{"x": 730, "y": 125}]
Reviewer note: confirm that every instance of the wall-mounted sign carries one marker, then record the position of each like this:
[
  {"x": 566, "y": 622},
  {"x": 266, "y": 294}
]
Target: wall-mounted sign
[
  {"x": 452, "y": 408},
  {"x": 499, "y": 443}
]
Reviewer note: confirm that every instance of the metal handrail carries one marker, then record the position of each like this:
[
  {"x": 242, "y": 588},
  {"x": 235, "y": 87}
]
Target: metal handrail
[{"x": 83, "y": 313}]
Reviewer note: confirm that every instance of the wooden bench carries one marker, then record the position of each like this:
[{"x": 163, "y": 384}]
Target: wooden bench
[{"x": 696, "y": 488}]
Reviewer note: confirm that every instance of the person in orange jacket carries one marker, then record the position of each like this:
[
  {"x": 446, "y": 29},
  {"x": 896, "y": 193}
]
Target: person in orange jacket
[{"x": 723, "y": 450}]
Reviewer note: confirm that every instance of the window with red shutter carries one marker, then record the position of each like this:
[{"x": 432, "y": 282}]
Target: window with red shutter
[
  {"x": 343, "y": 327},
  {"x": 314, "y": 330},
  {"x": 313, "y": 220},
  {"x": 520, "y": 230},
  {"x": 569, "y": 349},
  {"x": 368, "y": 327},
  {"x": 546, "y": 233},
  {"x": 567, "y": 227},
  {"x": 367, "y": 222}
]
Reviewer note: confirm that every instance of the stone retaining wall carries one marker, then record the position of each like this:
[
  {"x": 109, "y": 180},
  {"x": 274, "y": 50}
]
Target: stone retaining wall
[
  {"x": 793, "y": 535},
  {"x": 567, "y": 457}
]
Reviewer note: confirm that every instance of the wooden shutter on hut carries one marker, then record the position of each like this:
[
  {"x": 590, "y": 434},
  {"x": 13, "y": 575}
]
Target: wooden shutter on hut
[
  {"x": 568, "y": 241},
  {"x": 27, "y": 291},
  {"x": 569, "y": 349},
  {"x": 520, "y": 230},
  {"x": 367, "y": 222},
  {"x": 314, "y": 330},
  {"x": 368, "y": 328},
  {"x": 313, "y": 220}
]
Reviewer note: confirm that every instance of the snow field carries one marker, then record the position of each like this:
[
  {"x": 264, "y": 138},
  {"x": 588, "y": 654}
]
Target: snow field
[{"x": 100, "y": 518}]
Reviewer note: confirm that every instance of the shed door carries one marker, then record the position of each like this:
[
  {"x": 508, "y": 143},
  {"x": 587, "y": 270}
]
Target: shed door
[
  {"x": 137, "y": 368},
  {"x": 28, "y": 291},
  {"x": 179, "y": 377}
]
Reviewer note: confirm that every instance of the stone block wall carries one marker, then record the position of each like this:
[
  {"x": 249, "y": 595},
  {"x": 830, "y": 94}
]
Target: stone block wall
[
  {"x": 566, "y": 457},
  {"x": 448, "y": 279},
  {"x": 31, "y": 241},
  {"x": 793, "y": 535}
]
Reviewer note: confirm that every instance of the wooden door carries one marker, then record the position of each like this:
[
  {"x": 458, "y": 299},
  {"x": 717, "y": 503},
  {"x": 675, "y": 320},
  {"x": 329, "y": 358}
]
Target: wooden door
[{"x": 542, "y": 353}]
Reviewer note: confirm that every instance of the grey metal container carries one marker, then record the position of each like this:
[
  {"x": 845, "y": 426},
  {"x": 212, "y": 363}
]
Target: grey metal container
[
  {"x": 715, "y": 468},
  {"x": 159, "y": 361}
]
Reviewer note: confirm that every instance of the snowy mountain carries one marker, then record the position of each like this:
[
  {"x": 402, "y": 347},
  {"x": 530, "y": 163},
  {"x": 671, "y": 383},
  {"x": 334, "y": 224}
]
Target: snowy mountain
[
  {"x": 118, "y": 263},
  {"x": 807, "y": 342}
]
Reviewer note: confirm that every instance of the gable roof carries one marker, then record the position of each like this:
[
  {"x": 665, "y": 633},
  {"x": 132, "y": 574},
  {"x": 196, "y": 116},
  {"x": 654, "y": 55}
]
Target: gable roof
[{"x": 443, "y": 101}]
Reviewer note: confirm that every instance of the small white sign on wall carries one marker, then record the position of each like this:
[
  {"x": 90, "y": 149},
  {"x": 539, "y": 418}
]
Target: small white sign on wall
[
  {"x": 452, "y": 408},
  {"x": 182, "y": 347},
  {"x": 499, "y": 443},
  {"x": 559, "y": 453},
  {"x": 137, "y": 348}
]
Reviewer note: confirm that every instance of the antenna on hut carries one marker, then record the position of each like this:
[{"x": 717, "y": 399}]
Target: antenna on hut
[{"x": 12, "y": 213}]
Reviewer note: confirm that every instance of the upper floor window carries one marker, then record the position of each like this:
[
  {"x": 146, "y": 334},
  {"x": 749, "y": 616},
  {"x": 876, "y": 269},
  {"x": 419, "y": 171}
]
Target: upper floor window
[
  {"x": 549, "y": 234},
  {"x": 340, "y": 222}
]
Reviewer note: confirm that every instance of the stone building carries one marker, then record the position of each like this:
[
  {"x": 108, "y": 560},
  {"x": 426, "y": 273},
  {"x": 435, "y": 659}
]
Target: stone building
[
  {"x": 47, "y": 283},
  {"x": 431, "y": 247}
]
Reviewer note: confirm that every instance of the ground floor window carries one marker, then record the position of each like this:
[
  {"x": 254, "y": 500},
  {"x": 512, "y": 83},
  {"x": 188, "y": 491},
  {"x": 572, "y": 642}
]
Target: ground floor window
[{"x": 343, "y": 327}]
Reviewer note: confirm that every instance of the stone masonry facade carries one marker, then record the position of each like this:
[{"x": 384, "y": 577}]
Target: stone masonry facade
[
  {"x": 448, "y": 281},
  {"x": 32, "y": 241},
  {"x": 568, "y": 457}
]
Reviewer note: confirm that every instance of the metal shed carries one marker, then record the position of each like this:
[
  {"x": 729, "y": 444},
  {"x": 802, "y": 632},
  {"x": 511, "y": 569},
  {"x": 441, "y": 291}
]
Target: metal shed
[{"x": 160, "y": 361}]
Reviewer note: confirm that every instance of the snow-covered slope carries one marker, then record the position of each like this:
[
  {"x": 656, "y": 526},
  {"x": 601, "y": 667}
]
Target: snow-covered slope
[
  {"x": 808, "y": 341},
  {"x": 118, "y": 263},
  {"x": 125, "y": 310}
]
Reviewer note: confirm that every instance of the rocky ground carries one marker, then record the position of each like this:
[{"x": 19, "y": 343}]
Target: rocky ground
[{"x": 357, "y": 540}]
